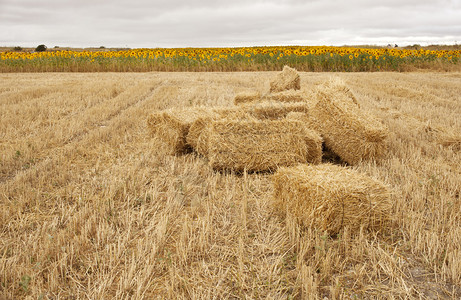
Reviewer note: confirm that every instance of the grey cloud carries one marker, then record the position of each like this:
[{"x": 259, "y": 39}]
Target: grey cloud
[{"x": 176, "y": 23}]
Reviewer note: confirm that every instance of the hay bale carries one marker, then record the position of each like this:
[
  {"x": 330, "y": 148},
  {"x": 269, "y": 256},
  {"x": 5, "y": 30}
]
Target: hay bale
[
  {"x": 295, "y": 115},
  {"x": 247, "y": 97},
  {"x": 313, "y": 139},
  {"x": 337, "y": 86},
  {"x": 349, "y": 132},
  {"x": 255, "y": 111},
  {"x": 272, "y": 110},
  {"x": 256, "y": 145},
  {"x": 196, "y": 137},
  {"x": 329, "y": 197},
  {"x": 284, "y": 96},
  {"x": 286, "y": 80},
  {"x": 287, "y": 96},
  {"x": 172, "y": 126},
  {"x": 308, "y": 96},
  {"x": 300, "y": 116}
]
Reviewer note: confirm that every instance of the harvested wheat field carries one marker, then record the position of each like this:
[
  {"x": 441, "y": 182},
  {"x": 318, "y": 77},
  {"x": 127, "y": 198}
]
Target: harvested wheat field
[{"x": 93, "y": 207}]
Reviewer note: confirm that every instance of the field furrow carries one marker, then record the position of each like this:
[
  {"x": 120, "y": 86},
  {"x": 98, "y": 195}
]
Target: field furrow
[{"x": 52, "y": 132}]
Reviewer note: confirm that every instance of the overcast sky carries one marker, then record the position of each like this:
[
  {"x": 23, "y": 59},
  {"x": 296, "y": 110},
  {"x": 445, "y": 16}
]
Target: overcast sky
[{"x": 226, "y": 23}]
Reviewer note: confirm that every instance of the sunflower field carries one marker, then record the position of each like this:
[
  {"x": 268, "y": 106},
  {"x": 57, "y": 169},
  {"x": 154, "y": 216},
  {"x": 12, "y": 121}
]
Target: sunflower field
[{"x": 303, "y": 58}]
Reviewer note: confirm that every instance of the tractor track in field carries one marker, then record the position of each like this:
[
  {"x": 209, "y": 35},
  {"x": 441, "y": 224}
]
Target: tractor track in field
[{"x": 48, "y": 158}]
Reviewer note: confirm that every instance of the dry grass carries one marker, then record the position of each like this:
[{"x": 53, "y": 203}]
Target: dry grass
[{"x": 92, "y": 207}]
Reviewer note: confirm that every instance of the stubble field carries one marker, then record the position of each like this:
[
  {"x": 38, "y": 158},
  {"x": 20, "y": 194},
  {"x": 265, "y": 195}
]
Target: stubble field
[{"x": 91, "y": 207}]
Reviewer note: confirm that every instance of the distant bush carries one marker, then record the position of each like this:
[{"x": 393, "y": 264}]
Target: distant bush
[
  {"x": 40, "y": 48},
  {"x": 17, "y": 48},
  {"x": 102, "y": 47},
  {"x": 55, "y": 47}
]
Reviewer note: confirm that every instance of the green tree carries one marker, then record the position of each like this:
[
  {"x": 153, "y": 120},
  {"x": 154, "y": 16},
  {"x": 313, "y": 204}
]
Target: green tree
[{"x": 40, "y": 48}]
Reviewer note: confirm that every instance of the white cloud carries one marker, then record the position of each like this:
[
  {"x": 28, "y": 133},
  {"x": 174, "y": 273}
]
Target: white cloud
[{"x": 177, "y": 23}]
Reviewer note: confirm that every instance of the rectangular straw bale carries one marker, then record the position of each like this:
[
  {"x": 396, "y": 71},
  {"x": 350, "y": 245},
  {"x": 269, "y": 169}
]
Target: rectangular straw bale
[
  {"x": 262, "y": 111},
  {"x": 339, "y": 88},
  {"x": 272, "y": 110},
  {"x": 196, "y": 136},
  {"x": 256, "y": 145},
  {"x": 306, "y": 95},
  {"x": 171, "y": 126},
  {"x": 313, "y": 139},
  {"x": 247, "y": 97},
  {"x": 329, "y": 197},
  {"x": 286, "y": 80},
  {"x": 305, "y": 118},
  {"x": 348, "y": 131},
  {"x": 283, "y": 96}
]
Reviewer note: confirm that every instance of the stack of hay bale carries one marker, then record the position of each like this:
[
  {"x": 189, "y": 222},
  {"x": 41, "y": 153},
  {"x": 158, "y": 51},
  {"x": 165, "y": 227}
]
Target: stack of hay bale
[
  {"x": 284, "y": 131},
  {"x": 253, "y": 135}
]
